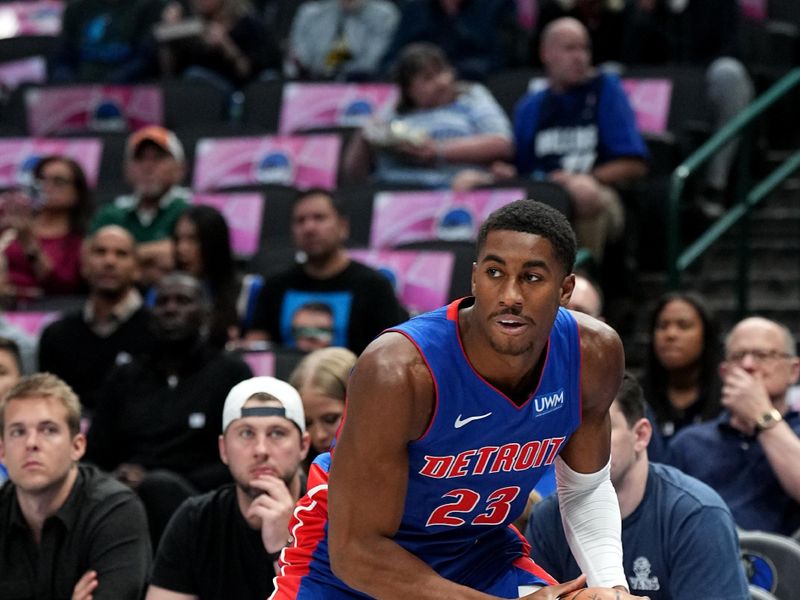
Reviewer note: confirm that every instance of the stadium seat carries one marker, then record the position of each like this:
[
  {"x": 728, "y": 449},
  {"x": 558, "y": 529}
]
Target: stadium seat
[
  {"x": 757, "y": 593},
  {"x": 464, "y": 253},
  {"x": 771, "y": 562},
  {"x": 13, "y": 48},
  {"x": 191, "y": 104},
  {"x": 262, "y": 105}
]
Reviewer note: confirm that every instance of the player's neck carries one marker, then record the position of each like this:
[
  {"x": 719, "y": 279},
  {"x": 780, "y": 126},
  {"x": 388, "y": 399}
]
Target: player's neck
[{"x": 511, "y": 374}]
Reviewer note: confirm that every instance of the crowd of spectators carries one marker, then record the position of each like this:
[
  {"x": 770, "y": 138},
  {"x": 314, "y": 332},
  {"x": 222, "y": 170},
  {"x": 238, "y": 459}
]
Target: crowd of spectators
[{"x": 155, "y": 350}]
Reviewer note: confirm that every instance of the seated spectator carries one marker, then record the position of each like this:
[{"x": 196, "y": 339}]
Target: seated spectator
[
  {"x": 340, "y": 39},
  {"x": 10, "y": 365},
  {"x": 441, "y": 127},
  {"x": 580, "y": 132},
  {"x": 66, "y": 530},
  {"x": 586, "y": 297},
  {"x": 46, "y": 227},
  {"x": 154, "y": 167},
  {"x": 479, "y": 37},
  {"x": 681, "y": 377},
  {"x": 106, "y": 41},
  {"x": 27, "y": 345},
  {"x": 678, "y": 537},
  {"x": 705, "y": 33},
  {"x": 113, "y": 326},
  {"x": 156, "y": 421},
  {"x": 10, "y": 373},
  {"x": 224, "y": 544},
  {"x": 362, "y": 300},
  {"x": 201, "y": 239},
  {"x": 750, "y": 454},
  {"x": 321, "y": 378},
  {"x": 232, "y": 46}
]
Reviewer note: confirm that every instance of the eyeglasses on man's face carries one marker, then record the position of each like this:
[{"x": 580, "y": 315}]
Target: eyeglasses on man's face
[{"x": 758, "y": 356}]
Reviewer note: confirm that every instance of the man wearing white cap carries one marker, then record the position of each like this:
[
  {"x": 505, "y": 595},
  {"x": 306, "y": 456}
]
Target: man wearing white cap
[{"x": 223, "y": 544}]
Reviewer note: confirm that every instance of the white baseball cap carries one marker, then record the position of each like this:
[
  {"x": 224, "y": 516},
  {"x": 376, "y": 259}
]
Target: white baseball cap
[{"x": 292, "y": 405}]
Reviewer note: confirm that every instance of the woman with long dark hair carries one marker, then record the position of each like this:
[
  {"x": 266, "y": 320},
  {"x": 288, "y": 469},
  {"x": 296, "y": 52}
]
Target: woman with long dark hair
[
  {"x": 203, "y": 248},
  {"x": 681, "y": 381}
]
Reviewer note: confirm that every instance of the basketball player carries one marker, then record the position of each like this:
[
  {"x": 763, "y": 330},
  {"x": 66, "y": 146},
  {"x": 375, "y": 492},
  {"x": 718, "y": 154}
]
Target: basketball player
[{"x": 451, "y": 418}]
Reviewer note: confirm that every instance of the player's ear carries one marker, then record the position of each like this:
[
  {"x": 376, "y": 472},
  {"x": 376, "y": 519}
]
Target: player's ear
[{"x": 567, "y": 286}]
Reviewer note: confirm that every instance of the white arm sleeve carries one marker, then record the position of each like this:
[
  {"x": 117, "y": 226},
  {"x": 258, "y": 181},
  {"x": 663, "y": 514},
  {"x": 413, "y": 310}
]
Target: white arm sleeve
[{"x": 591, "y": 518}]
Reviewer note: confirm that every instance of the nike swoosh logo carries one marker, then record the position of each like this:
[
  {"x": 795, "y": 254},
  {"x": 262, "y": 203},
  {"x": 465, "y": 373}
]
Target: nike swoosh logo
[{"x": 461, "y": 422}]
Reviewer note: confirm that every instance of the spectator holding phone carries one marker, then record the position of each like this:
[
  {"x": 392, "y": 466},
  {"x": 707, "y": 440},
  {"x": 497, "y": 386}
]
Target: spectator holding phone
[
  {"x": 223, "y": 544},
  {"x": 42, "y": 231}
]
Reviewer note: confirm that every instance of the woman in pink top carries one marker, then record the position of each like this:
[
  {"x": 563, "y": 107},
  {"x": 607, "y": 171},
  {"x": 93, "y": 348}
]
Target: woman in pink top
[{"x": 45, "y": 232}]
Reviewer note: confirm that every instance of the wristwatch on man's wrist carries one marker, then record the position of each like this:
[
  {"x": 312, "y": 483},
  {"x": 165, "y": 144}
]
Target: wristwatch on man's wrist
[{"x": 768, "y": 420}]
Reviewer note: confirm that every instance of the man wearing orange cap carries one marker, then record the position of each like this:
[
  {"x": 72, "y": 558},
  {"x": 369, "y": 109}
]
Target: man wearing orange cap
[{"x": 154, "y": 167}]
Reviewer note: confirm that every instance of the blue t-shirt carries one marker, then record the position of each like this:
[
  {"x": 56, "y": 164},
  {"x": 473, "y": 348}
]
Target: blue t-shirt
[
  {"x": 577, "y": 130},
  {"x": 679, "y": 543},
  {"x": 734, "y": 464}
]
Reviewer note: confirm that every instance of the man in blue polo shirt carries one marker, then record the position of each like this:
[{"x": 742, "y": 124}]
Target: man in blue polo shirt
[
  {"x": 751, "y": 453},
  {"x": 678, "y": 537},
  {"x": 580, "y": 132}
]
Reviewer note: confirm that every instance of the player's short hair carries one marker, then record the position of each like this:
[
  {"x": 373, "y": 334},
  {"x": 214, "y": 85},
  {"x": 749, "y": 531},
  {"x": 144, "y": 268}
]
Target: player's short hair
[
  {"x": 630, "y": 399},
  {"x": 44, "y": 385},
  {"x": 530, "y": 216}
]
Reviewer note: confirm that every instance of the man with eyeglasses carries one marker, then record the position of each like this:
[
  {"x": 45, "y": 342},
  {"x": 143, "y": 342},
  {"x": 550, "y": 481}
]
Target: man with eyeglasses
[{"x": 751, "y": 453}]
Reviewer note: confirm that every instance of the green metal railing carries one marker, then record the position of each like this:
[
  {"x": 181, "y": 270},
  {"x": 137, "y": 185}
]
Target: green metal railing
[{"x": 747, "y": 198}]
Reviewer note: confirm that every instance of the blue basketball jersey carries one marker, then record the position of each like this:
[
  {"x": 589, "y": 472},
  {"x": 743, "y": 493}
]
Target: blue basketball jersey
[
  {"x": 470, "y": 474},
  {"x": 472, "y": 470}
]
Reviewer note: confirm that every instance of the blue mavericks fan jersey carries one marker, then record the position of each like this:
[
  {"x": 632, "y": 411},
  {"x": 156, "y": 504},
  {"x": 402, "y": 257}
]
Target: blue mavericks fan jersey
[{"x": 469, "y": 474}]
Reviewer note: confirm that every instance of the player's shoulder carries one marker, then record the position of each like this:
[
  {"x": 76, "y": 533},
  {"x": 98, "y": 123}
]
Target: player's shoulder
[
  {"x": 391, "y": 352},
  {"x": 391, "y": 379},
  {"x": 602, "y": 362},
  {"x": 596, "y": 336}
]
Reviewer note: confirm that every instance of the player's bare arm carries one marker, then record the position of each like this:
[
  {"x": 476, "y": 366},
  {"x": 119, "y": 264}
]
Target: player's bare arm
[
  {"x": 603, "y": 364},
  {"x": 390, "y": 403}
]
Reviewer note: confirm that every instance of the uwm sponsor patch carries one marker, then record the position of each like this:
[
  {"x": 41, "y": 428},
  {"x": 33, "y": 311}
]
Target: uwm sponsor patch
[
  {"x": 493, "y": 459},
  {"x": 547, "y": 403}
]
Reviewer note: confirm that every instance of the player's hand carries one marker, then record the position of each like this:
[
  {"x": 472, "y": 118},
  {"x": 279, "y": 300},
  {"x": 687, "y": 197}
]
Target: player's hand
[
  {"x": 270, "y": 511},
  {"x": 598, "y": 593},
  {"x": 85, "y": 586},
  {"x": 574, "y": 590}
]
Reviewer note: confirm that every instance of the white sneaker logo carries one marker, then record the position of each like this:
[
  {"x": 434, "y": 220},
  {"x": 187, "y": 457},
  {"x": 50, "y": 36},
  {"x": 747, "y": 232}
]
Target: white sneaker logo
[{"x": 461, "y": 422}]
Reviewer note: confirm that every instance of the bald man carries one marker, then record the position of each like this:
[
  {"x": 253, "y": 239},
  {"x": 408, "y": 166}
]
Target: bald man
[
  {"x": 751, "y": 453},
  {"x": 581, "y": 133},
  {"x": 586, "y": 298},
  {"x": 112, "y": 326}
]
